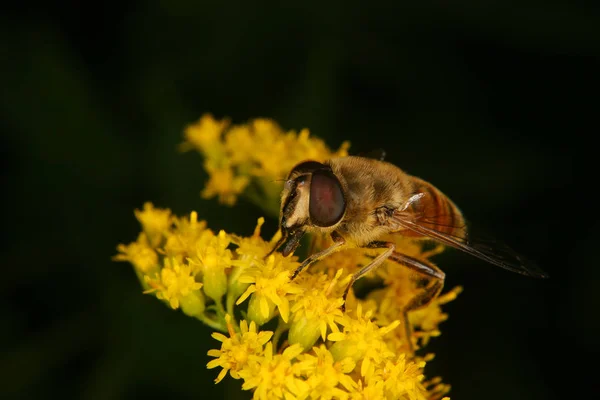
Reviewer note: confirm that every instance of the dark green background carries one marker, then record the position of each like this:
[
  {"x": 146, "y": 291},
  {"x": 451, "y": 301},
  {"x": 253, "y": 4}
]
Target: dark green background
[{"x": 497, "y": 105}]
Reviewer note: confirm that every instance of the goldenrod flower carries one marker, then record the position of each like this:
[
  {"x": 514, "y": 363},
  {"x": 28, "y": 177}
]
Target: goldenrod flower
[
  {"x": 428, "y": 319},
  {"x": 140, "y": 254},
  {"x": 314, "y": 350},
  {"x": 250, "y": 253},
  {"x": 252, "y": 249},
  {"x": 213, "y": 257},
  {"x": 436, "y": 390},
  {"x": 400, "y": 378},
  {"x": 316, "y": 309},
  {"x": 238, "y": 349},
  {"x": 254, "y": 156},
  {"x": 224, "y": 184},
  {"x": 276, "y": 376},
  {"x": 327, "y": 378},
  {"x": 155, "y": 221},
  {"x": 174, "y": 284},
  {"x": 186, "y": 236},
  {"x": 361, "y": 340},
  {"x": 206, "y": 136},
  {"x": 270, "y": 285}
]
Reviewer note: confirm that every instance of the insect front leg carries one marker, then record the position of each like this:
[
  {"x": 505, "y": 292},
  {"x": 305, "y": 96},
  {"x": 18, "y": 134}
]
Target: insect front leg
[{"x": 338, "y": 244}]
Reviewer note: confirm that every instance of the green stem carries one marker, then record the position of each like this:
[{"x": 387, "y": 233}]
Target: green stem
[
  {"x": 230, "y": 301},
  {"x": 220, "y": 310},
  {"x": 233, "y": 291},
  {"x": 216, "y": 325}
]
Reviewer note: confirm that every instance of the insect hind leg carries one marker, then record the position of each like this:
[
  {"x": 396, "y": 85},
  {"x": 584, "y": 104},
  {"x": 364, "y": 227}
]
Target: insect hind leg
[
  {"x": 435, "y": 280},
  {"x": 435, "y": 283}
]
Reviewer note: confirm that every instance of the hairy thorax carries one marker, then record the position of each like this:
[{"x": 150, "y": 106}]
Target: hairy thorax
[{"x": 369, "y": 185}]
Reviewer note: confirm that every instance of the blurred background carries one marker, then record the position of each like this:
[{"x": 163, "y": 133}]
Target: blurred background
[{"x": 496, "y": 105}]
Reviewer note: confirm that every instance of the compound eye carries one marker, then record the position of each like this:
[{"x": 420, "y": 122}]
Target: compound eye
[
  {"x": 327, "y": 203},
  {"x": 306, "y": 167}
]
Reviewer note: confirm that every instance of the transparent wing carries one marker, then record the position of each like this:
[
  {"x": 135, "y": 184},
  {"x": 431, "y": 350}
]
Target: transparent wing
[{"x": 492, "y": 251}]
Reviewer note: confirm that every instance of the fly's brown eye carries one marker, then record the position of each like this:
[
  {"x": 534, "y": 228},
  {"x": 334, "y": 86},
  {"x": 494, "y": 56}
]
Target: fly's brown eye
[
  {"x": 327, "y": 203},
  {"x": 307, "y": 167}
]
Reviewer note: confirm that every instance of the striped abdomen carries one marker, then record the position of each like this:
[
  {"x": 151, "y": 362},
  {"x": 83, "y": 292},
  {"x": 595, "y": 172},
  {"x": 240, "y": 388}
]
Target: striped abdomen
[{"x": 434, "y": 210}]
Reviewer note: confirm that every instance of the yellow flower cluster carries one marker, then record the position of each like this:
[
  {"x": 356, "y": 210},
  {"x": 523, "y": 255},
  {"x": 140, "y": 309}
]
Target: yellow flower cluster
[
  {"x": 315, "y": 351},
  {"x": 285, "y": 338},
  {"x": 251, "y": 158}
]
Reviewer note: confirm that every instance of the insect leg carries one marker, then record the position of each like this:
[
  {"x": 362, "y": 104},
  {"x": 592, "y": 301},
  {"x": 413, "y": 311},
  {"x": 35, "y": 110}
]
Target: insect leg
[
  {"x": 371, "y": 266},
  {"x": 338, "y": 244},
  {"x": 431, "y": 291},
  {"x": 280, "y": 242}
]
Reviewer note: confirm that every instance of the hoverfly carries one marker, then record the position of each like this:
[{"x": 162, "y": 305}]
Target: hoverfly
[{"x": 358, "y": 200}]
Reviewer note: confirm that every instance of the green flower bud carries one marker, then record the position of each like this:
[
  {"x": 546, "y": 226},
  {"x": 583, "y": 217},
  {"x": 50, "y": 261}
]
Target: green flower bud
[
  {"x": 346, "y": 348},
  {"x": 215, "y": 281},
  {"x": 260, "y": 309},
  {"x": 305, "y": 331},
  {"x": 193, "y": 304}
]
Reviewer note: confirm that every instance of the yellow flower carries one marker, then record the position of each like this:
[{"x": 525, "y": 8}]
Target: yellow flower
[
  {"x": 259, "y": 151},
  {"x": 315, "y": 309},
  {"x": 427, "y": 319},
  {"x": 224, "y": 184},
  {"x": 374, "y": 391},
  {"x": 362, "y": 340},
  {"x": 270, "y": 285},
  {"x": 213, "y": 257},
  {"x": 314, "y": 350},
  {"x": 436, "y": 389},
  {"x": 252, "y": 249},
  {"x": 400, "y": 287},
  {"x": 205, "y": 135},
  {"x": 155, "y": 222},
  {"x": 357, "y": 354},
  {"x": 275, "y": 376},
  {"x": 326, "y": 377},
  {"x": 401, "y": 378},
  {"x": 239, "y": 144},
  {"x": 174, "y": 284},
  {"x": 250, "y": 253},
  {"x": 237, "y": 350},
  {"x": 186, "y": 236},
  {"x": 140, "y": 254}
]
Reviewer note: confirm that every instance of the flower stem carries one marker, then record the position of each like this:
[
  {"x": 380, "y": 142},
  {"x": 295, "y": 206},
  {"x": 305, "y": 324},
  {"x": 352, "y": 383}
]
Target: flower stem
[
  {"x": 230, "y": 301},
  {"x": 218, "y": 325},
  {"x": 220, "y": 310}
]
